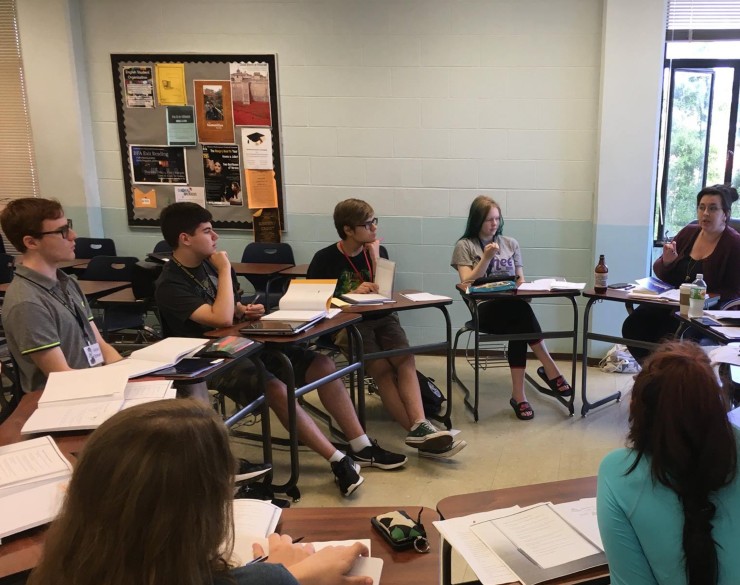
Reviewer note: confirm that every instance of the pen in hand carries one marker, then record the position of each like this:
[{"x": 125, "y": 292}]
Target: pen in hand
[
  {"x": 255, "y": 299},
  {"x": 263, "y": 558}
]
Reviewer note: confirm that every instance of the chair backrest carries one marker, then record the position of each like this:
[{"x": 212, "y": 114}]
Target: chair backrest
[
  {"x": 143, "y": 279},
  {"x": 110, "y": 268},
  {"x": 86, "y": 248},
  {"x": 7, "y": 268},
  {"x": 162, "y": 246},
  {"x": 265, "y": 253}
]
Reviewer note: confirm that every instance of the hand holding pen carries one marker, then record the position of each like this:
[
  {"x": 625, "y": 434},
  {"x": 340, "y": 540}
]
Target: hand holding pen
[{"x": 283, "y": 550}]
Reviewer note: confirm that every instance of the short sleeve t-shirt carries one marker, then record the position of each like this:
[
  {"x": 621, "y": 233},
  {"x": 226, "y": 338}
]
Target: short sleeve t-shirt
[{"x": 508, "y": 258}]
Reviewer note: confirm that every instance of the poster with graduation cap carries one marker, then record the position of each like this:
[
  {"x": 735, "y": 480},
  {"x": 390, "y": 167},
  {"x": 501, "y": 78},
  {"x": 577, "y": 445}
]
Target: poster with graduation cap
[{"x": 257, "y": 148}]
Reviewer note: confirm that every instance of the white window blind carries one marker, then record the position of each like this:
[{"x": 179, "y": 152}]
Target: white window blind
[
  {"x": 692, "y": 15},
  {"x": 17, "y": 163}
]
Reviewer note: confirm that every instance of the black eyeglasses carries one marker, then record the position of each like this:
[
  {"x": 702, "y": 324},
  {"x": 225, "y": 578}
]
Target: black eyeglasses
[
  {"x": 368, "y": 224},
  {"x": 62, "y": 231}
]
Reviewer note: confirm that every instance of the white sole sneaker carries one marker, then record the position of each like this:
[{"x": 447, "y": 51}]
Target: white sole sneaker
[{"x": 453, "y": 450}]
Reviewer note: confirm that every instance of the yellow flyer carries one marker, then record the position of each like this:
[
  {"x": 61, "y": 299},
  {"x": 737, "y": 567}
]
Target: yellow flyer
[{"x": 171, "y": 84}]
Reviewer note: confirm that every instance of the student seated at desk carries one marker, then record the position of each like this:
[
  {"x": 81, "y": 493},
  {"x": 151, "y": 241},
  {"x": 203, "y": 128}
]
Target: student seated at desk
[
  {"x": 150, "y": 503},
  {"x": 47, "y": 320},
  {"x": 197, "y": 291},
  {"x": 668, "y": 506},
  {"x": 352, "y": 262},
  {"x": 709, "y": 247},
  {"x": 483, "y": 251}
]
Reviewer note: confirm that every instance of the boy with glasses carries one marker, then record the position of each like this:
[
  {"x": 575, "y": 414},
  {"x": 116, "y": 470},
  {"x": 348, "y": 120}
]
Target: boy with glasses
[
  {"x": 352, "y": 262},
  {"x": 47, "y": 320}
]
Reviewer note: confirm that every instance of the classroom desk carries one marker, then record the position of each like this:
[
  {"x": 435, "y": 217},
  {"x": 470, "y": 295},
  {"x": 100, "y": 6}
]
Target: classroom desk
[
  {"x": 474, "y": 300},
  {"x": 345, "y": 523},
  {"x": 92, "y": 289},
  {"x": 258, "y": 268},
  {"x": 400, "y": 304},
  {"x": 76, "y": 265},
  {"x": 556, "y": 492},
  {"x": 273, "y": 344},
  {"x": 297, "y": 271}
]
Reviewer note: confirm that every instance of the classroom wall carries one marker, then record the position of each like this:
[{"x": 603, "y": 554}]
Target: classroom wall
[{"x": 415, "y": 106}]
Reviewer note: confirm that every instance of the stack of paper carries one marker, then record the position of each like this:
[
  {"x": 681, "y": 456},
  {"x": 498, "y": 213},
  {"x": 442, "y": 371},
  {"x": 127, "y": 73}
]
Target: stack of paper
[
  {"x": 305, "y": 300},
  {"x": 157, "y": 356},
  {"x": 551, "y": 284},
  {"x": 33, "y": 477},
  {"x": 254, "y": 520},
  {"x": 94, "y": 398},
  {"x": 531, "y": 545},
  {"x": 654, "y": 289}
]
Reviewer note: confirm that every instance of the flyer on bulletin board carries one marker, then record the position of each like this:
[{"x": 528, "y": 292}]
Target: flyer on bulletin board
[
  {"x": 152, "y": 165},
  {"x": 213, "y": 111},
  {"x": 250, "y": 93},
  {"x": 257, "y": 148},
  {"x": 267, "y": 226},
  {"x": 261, "y": 189},
  {"x": 171, "y": 84},
  {"x": 181, "y": 126},
  {"x": 146, "y": 199},
  {"x": 139, "y": 87}
]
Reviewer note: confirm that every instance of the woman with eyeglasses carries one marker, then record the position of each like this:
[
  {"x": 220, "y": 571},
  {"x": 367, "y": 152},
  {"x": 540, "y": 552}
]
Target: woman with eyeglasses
[
  {"x": 709, "y": 247},
  {"x": 668, "y": 505},
  {"x": 483, "y": 251}
]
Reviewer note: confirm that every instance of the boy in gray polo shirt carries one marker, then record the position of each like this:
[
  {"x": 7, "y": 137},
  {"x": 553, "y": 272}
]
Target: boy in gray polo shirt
[{"x": 47, "y": 320}]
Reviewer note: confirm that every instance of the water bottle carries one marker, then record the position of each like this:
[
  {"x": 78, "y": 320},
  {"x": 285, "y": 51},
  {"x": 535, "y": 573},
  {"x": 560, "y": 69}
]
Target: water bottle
[{"x": 696, "y": 297}]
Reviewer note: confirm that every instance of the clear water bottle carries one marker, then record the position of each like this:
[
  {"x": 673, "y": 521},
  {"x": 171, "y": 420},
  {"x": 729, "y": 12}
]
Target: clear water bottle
[{"x": 696, "y": 297}]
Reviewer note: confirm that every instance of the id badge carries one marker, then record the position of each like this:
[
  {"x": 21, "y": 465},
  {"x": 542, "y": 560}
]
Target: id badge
[{"x": 93, "y": 354}]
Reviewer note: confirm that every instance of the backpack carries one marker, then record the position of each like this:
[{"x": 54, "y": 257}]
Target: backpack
[{"x": 431, "y": 396}]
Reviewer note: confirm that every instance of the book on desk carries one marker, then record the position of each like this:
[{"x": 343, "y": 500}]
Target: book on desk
[{"x": 305, "y": 300}]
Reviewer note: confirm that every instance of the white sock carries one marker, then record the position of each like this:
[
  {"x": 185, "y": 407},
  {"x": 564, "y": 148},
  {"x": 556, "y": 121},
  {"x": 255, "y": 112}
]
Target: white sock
[
  {"x": 360, "y": 443},
  {"x": 417, "y": 423},
  {"x": 338, "y": 456}
]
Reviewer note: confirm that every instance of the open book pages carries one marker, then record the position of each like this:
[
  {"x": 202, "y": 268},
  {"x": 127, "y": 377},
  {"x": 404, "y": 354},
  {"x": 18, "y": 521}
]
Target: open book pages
[
  {"x": 254, "y": 520},
  {"x": 551, "y": 284},
  {"x": 385, "y": 272},
  {"x": 305, "y": 300},
  {"x": 75, "y": 416},
  {"x": 33, "y": 477},
  {"x": 159, "y": 355}
]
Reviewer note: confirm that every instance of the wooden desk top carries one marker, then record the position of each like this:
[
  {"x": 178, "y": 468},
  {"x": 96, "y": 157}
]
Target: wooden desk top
[
  {"x": 399, "y": 568},
  {"x": 555, "y": 491},
  {"x": 124, "y": 296},
  {"x": 323, "y": 327},
  {"x": 519, "y": 294},
  {"x": 90, "y": 288},
  {"x": 401, "y": 304},
  {"x": 295, "y": 271},
  {"x": 258, "y": 268}
]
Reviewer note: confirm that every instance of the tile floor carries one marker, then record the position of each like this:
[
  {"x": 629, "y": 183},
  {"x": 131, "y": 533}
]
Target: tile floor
[{"x": 502, "y": 450}]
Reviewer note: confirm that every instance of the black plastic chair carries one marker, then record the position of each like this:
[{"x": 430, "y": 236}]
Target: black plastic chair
[
  {"x": 162, "y": 246},
  {"x": 86, "y": 248},
  {"x": 7, "y": 268},
  {"x": 264, "y": 253},
  {"x": 10, "y": 386},
  {"x": 110, "y": 267}
]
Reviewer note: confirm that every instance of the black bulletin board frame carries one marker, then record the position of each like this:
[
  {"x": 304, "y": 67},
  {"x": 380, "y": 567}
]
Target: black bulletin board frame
[{"x": 203, "y": 62}]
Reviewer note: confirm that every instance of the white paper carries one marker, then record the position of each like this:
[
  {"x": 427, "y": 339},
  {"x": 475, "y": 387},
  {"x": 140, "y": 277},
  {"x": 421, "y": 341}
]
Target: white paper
[
  {"x": 581, "y": 515},
  {"x": 728, "y": 332},
  {"x": 88, "y": 384},
  {"x": 254, "y": 520},
  {"x": 33, "y": 506},
  {"x": 366, "y": 298},
  {"x": 27, "y": 461},
  {"x": 324, "y": 543},
  {"x": 486, "y": 564},
  {"x": 385, "y": 271},
  {"x": 723, "y": 314},
  {"x": 425, "y": 296},
  {"x": 541, "y": 535},
  {"x": 257, "y": 148},
  {"x": 71, "y": 417},
  {"x": 725, "y": 354},
  {"x": 367, "y": 567},
  {"x": 171, "y": 349}
]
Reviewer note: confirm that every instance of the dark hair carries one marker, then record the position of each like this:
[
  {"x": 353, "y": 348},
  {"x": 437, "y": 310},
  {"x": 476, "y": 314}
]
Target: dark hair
[
  {"x": 727, "y": 194},
  {"x": 350, "y": 213},
  {"x": 150, "y": 501},
  {"x": 678, "y": 418},
  {"x": 23, "y": 217},
  {"x": 479, "y": 210},
  {"x": 183, "y": 217}
]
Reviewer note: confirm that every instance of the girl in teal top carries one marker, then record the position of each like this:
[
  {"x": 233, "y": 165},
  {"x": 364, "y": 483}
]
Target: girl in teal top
[{"x": 669, "y": 506}]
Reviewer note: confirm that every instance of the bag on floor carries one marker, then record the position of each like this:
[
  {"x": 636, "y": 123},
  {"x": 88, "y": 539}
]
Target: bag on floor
[
  {"x": 431, "y": 396},
  {"x": 619, "y": 360}
]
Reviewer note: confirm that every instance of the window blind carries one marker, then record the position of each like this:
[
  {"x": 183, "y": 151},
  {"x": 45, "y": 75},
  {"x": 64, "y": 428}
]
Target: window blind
[{"x": 703, "y": 19}]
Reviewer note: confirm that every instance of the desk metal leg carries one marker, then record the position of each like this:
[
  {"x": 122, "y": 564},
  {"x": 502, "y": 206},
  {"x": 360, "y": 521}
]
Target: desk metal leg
[{"x": 584, "y": 365}]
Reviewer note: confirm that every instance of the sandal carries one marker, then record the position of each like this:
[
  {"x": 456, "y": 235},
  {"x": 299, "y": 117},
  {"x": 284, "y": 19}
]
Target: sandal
[
  {"x": 522, "y": 410},
  {"x": 557, "y": 385}
]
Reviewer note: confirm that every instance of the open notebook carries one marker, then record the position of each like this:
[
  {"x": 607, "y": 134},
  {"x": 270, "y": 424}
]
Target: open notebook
[{"x": 305, "y": 300}]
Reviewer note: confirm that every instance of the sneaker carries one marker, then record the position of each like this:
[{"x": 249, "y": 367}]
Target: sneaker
[
  {"x": 347, "y": 475},
  {"x": 450, "y": 451},
  {"x": 259, "y": 492},
  {"x": 247, "y": 471},
  {"x": 376, "y": 456},
  {"x": 426, "y": 436}
]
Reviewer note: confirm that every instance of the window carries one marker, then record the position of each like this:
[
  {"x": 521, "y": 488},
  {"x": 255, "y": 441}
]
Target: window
[{"x": 17, "y": 163}]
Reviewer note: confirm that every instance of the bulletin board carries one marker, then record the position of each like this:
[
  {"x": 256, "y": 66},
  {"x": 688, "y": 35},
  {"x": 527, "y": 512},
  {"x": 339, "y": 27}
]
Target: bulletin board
[{"x": 201, "y": 128}]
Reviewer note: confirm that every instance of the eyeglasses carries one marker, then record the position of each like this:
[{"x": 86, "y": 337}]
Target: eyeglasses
[
  {"x": 368, "y": 224},
  {"x": 62, "y": 231},
  {"x": 711, "y": 209}
]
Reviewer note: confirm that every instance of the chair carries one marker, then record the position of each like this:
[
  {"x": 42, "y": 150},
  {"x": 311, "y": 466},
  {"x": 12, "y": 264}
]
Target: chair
[
  {"x": 272, "y": 287},
  {"x": 86, "y": 248},
  {"x": 162, "y": 246},
  {"x": 7, "y": 268},
  {"x": 10, "y": 386}
]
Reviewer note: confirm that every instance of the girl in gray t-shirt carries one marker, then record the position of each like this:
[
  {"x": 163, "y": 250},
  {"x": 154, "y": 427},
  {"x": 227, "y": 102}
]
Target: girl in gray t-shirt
[{"x": 484, "y": 251}]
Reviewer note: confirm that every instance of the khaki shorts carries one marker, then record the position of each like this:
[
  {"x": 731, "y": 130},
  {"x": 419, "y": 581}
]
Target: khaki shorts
[{"x": 377, "y": 335}]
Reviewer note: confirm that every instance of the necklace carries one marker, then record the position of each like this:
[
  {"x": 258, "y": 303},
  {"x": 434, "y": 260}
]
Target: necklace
[{"x": 690, "y": 265}]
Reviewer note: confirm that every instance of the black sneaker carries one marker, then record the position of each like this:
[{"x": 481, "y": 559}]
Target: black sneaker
[
  {"x": 376, "y": 456},
  {"x": 247, "y": 471},
  {"x": 347, "y": 475},
  {"x": 260, "y": 492}
]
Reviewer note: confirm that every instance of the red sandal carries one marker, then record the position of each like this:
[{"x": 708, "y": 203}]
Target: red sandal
[
  {"x": 557, "y": 385},
  {"x": 522, "y": 410}
]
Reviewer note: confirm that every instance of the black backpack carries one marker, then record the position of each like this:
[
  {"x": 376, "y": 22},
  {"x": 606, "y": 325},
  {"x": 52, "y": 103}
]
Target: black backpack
[{"x": 431, "y": 396}]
